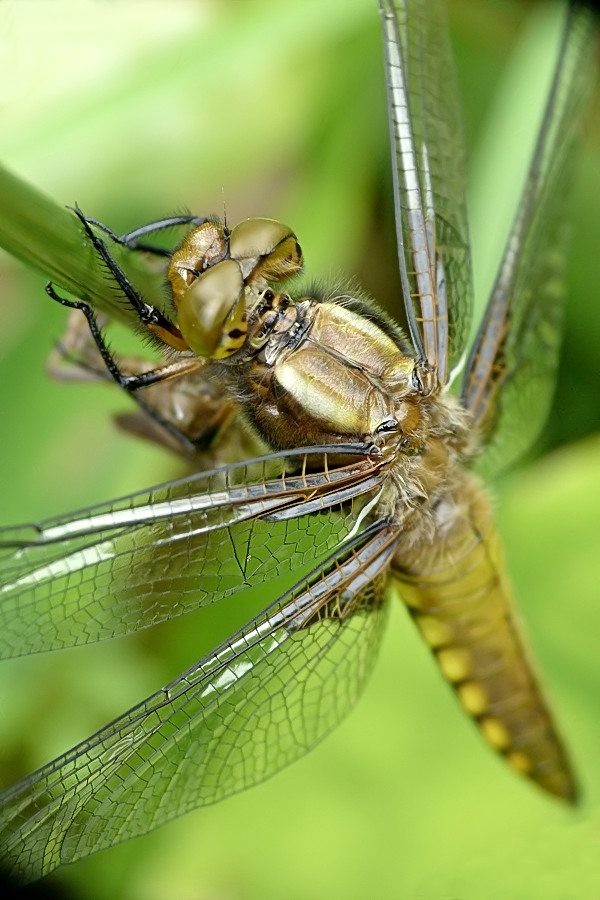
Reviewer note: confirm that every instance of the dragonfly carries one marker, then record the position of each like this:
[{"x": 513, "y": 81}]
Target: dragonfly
[{"x": 327, "y": 446}]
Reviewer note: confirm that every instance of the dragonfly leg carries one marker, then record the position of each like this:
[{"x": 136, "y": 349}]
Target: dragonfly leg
[
  {"x": 131, "y": 238},
  {"x": 149, "y": 315},
  {"x": 128, "y": 382},
  {"x": 75, "y": 356}
]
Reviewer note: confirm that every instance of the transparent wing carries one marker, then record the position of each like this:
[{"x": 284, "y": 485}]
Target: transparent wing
[
  {"x": 429, "y": 181},
  {"x": 258, "y": 702},
  {"x": 509, "y": 378},
  {"x": 154, "y": 555}
]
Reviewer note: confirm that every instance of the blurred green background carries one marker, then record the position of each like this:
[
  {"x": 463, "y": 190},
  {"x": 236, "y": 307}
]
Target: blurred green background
[{"x": 277, "y": 108}]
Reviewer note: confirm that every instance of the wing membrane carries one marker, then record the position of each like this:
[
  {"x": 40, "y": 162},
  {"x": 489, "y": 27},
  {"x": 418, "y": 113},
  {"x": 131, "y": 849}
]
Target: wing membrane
[
  {"x": 509, "y": 378},
  {"x": 429, "y": 181},
  {"x": 254, "y": 705},
  {"x": 155, "y": 555}
]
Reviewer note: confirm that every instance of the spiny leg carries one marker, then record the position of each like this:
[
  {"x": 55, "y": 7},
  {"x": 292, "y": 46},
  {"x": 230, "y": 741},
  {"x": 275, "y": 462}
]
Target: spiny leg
[
  {"x": 148, "y": 315},
  {"x": 198, "y": 407},
  {"x": 75, "y": 357},
  {"x": 129, "y": 383},
  {"x": 130, "y": 238}
]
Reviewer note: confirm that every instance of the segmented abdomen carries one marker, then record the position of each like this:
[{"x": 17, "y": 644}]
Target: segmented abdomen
[{"x": 458, "y": 594}]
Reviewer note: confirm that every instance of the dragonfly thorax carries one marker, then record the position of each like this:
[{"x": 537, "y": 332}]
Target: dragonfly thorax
[{"x": 319, "y": 371}]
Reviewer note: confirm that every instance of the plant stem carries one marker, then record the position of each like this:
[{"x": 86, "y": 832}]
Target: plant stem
[{"x": 50, "y": 238}]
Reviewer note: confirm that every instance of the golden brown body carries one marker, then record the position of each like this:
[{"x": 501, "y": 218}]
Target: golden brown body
[
  {"x": 449, "y": 562},
  {"x": 457, "y": 592},
  {"x": 317, "y": 380},
  {"x": 333, "y": 369}
]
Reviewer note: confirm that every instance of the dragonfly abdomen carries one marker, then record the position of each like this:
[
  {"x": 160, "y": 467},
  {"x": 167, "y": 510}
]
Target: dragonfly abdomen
[{"x": 458, "y": 594}]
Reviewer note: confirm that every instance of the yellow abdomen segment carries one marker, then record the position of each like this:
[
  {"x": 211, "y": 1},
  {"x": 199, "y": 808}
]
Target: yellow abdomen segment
[{"x": 458, "y": 594}]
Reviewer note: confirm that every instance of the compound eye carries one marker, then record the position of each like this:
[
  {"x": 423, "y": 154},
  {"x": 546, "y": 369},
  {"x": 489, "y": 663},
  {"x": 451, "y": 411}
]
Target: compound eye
[
  {"x": 265, "y": 248},
  {"x": 212, "y": 312},
  {"x": 202, "y": 248}
]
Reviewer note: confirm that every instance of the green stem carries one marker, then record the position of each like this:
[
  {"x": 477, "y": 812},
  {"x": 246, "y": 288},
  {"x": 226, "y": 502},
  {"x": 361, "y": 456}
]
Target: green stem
[{"x": 50, "y": 238}]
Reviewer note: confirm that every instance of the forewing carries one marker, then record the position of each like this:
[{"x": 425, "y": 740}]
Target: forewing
[
  {"x": 253, "y": 706},
  {"x": 509, "y": 378},
  {"x": 147, "y": 558},
  {"x": 429, "y": 180}
]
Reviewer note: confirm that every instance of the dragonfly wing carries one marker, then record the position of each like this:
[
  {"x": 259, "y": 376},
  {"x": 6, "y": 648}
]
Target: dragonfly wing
[
  {"x": 147, "y": 558},
  {"x": 509, "y": 378},
  {"x": 254, "y": 705},
  {"x": 429, "y": 181}
]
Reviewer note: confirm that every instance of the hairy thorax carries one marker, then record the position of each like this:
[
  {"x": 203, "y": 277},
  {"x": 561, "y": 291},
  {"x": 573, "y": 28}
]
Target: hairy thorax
[{"x": 333, "y": 370}]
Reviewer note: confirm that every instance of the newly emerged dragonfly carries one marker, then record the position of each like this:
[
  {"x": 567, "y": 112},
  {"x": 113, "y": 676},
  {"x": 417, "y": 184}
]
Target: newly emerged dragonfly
[{"x": 324, "y": 436}]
